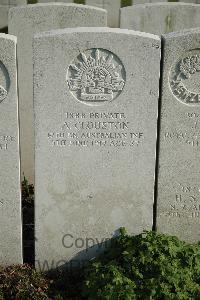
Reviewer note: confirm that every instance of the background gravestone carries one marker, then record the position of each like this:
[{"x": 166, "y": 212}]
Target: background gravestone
[
  {"x": 179, "y": 156},
  {"x": 63, "y": 1},
  {"x": 10, "y": 202},
  {"x": 160, "y": 18},
  {"x": 96, "y": 123},
  {"x": 190, "y": 1},
  {"x": 112, "y": 7},
  {"x": 24, "y": 22},
  {"x": 5, "y": 5},
  {"x": 147, "y": 1}
]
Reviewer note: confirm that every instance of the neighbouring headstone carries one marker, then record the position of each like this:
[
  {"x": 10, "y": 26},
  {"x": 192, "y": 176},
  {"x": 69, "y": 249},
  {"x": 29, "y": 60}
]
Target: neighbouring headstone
[
  {"x": 95, "y": 126},
  {"x": 112, "y": 7},
  {"x": 178, "y": 202},
  {"x": 5, "y": 5},
  {"x": 190, "y": 1},
  {"x": 147, "y": 1},
  {"x": 63, "y": 1},
  {"x": 24, "y": 22},
  {"x": 10, "y": 195},
  {"x": 160, "y": 18}
]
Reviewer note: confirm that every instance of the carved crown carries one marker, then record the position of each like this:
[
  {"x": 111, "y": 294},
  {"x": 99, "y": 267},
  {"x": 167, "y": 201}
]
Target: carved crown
[{"x": 190, "y": 65}]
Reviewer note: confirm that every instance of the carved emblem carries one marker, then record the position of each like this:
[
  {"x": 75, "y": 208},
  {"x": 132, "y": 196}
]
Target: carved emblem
[
  {"x": 185, "y": 79},
  {"x": 96, "y": 76},
  {"x": 3, "y": 93},
  {"x": 4, "y": 82}
]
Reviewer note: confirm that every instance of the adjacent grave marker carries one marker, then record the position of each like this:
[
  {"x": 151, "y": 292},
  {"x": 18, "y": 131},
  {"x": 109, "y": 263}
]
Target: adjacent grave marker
[
  {"x": 112, "y": 7},
  {"x": 147, "y": 1},
  {"x": 190, "y": 1},
  {"x": 24, "y": 22},
  {"x": 10, "y": 202},
  {"x": 96, "y": 123},
  {"x": 179, "y": 158},
  {"x": 5, "y": 5},
  {"x": 160, "y": 18},
  {"x": 63, "y": 1}
]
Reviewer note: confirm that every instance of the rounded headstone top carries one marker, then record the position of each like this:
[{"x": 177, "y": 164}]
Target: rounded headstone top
[
  {"x": 158, "y": 4},
  {"x": 54, "y": 4},
  {"x": 96, "y": 30}
]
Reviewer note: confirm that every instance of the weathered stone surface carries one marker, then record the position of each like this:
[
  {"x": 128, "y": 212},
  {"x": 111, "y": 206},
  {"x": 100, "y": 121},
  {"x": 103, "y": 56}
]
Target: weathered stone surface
[
  {"x": 160, "y": 18},
  {"x": 179, "y": 158},
  {"x": 112, "y": 7},
  {"x": 190, "y": 1},
  {"x": 5, "y": 5},
  {"x": 147, "y": 1},
  {"x": 24, "y": 22},
  {"x": 47, "y": 1},
  {"x": 10, "y": 202},
  {"x": 95, "y": 138}
]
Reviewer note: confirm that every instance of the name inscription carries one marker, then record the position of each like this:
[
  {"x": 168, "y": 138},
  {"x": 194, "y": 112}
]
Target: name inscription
[
  {"x": 186, "y": 202},
  {"x": 110, "y": 129}
]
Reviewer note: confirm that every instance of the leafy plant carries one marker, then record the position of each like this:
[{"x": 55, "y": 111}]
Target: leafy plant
[
  {"x": 146, "y": 266},
  {"x": 126, "y": 3},
  {"x": 149, "y": 266},
  {"x": 27, "y": 193},
  {"x": 32, "y": 1},
  {"x": 79, "y": 1}
]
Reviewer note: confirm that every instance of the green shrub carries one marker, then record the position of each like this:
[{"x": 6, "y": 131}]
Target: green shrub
[
  {"x": 79, "y": 1},
  {"x": 126, "y": 3},
  {"x": 32, "y": 1},
  {"x": 146, "y": 266}
]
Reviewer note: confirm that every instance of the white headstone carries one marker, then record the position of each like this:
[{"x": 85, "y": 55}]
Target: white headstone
[
  {"x": 5, "y": 5},
  {"x": 187, "y": 1},
  {"x": 112, "y": 7},
  {"x": 48, "y": 1},
  {"x": 160, "y": 18},
  {"x": 147, "y": 1},
  {"x": 24, "y": 22},
  {"x": 96, "y": 121},
  {"x": 178, "y": 211},
  {"x": 10, "y": 196}
]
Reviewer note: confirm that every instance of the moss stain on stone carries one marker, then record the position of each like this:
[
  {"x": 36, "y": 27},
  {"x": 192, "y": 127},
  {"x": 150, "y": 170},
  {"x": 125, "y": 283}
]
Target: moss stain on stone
[{"x": 168, "y": 23}]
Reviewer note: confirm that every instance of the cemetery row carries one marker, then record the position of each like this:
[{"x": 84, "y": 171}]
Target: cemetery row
[
  {"x": 99, "y": 117},
  {"x": 111, "y": 6},
  {"x": 25, "y": 21}
]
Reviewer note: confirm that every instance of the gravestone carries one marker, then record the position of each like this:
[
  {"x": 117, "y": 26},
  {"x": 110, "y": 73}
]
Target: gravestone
[
  {"x": 147, "y": 1},
  {"x": 10, "y": 196},
  {"x": 112, "y": 7},
  {"x": 95, "y": 138},
  {"x": 160, "y": 18},
  {"x": 63, "y": 1},
  {"x": 178, "y": 211},
  {"x": 24, "y": 22},
  {"x": 5, "y": 5},
  {"x": 190, "y": 1}
]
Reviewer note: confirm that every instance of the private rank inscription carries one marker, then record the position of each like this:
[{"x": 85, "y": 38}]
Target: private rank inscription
[{"x": 110, "y": 129}]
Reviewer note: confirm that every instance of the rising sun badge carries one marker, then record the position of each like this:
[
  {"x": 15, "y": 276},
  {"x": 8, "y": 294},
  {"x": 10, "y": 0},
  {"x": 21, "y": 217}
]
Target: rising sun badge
[{"x": 96, "y": 76}]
